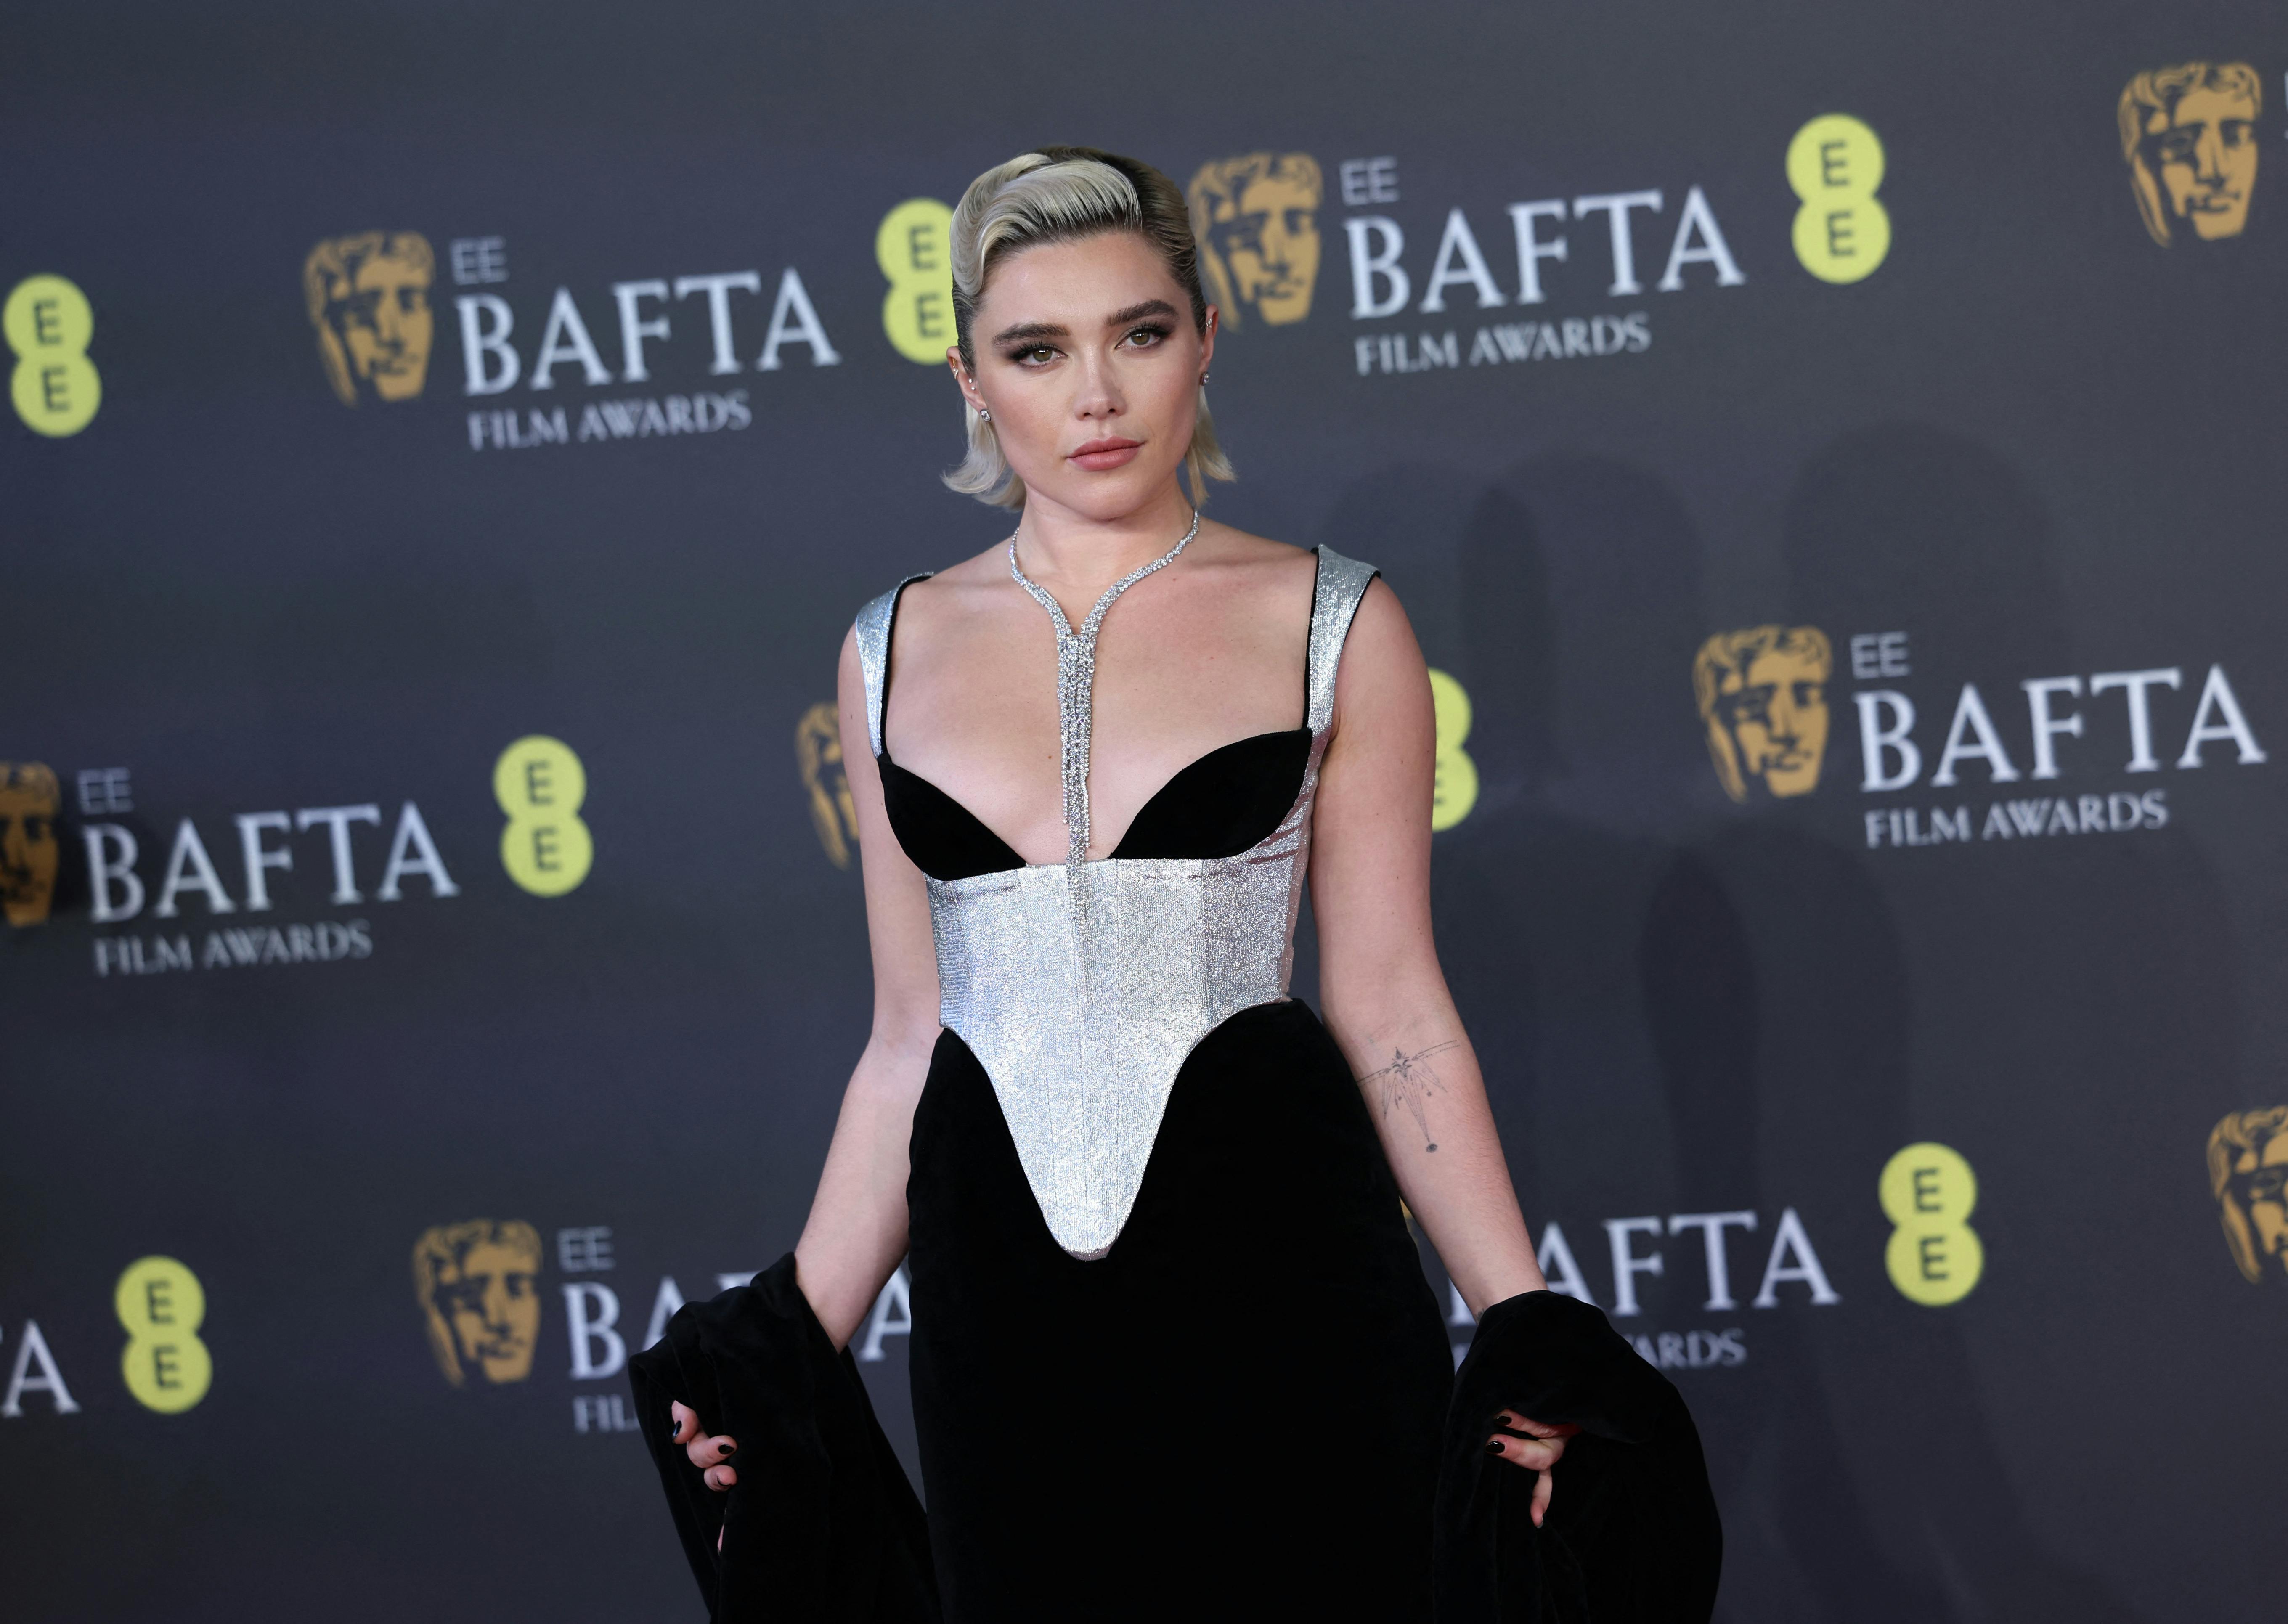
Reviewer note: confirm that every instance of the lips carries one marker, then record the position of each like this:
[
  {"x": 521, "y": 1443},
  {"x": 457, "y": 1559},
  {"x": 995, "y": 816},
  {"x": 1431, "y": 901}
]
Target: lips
[{"x": 1099, "y": 454}]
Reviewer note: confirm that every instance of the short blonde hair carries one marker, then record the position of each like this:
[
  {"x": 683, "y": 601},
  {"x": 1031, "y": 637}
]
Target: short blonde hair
[{"x": 1059, "y": 195}]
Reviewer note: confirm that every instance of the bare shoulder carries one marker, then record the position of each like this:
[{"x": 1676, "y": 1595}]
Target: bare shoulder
[
  {"x": 1242, "y": 548},
  {"x": 1274, "y": 574},
  {"x": 1382, "y": 662},
  {"x": 949, "y": 593}
]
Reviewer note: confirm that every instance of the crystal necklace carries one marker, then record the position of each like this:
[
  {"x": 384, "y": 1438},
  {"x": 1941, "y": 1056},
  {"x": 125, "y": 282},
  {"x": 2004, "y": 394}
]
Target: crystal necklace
[{"x": 1076, "y": 685}]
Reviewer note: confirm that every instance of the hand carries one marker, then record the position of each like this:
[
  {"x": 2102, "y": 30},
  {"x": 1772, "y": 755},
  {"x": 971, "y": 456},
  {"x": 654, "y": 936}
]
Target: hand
[
  {"x": 711, "y": 1456},
  {"x": 1539, "y": 1451}
]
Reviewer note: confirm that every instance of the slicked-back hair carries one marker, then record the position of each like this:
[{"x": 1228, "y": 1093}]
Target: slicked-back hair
[{"x": 1062, "y": 194}]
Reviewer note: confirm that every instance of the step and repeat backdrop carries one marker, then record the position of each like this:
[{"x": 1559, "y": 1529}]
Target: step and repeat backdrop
[{"x": 1833, "y": 458}]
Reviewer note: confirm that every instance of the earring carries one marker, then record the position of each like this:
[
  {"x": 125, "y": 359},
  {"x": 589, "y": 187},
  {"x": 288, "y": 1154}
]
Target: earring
[
  {"x": 1204, "y": 380},
  {"x": 983, "y": 416}
]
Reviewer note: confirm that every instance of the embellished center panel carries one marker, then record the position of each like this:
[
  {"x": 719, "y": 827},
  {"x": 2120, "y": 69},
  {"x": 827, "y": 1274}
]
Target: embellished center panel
[
  {"x": 1082, "y": 1015},
  {"x": 1082, "y": 986}
]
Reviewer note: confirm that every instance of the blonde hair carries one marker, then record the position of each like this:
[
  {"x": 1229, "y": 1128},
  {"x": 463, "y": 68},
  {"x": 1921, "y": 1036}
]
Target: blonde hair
[{"x": 1059, "y": 195}]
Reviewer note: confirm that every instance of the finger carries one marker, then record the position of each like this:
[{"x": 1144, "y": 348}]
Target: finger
[
  {"x": 1537, "y": 1429},
  {"x": 719, "y": 1477},
  {"x": 1545, "y": 1489},
  {"x": 1534, "y": 1453},
  {"x": 687, "y": 1422},
  {"x": 705, "y": 1452}
]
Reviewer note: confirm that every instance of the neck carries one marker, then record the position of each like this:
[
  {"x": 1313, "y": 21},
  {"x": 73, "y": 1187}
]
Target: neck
[{"x": 1076, "y": 557}]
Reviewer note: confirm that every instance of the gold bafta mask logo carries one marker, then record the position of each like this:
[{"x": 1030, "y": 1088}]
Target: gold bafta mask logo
[
  {"x": 30, "y": 802},
  {"x": 2248, "y": 1175},
  {"x": 2189, "y": 133},
  {"x": 818, "y": 757},
  {"x": 1763, "y": 697},
  {"x": 1257, "y": 219},
  {"x": 369, "y": 298},
  {"x": 478, "y": 1287}
]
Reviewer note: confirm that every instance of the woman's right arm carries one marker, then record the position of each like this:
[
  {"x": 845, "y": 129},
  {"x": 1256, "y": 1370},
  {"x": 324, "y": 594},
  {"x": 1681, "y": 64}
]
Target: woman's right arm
[
  {"x": 856, "y": 1232},
  {"x": 857, "y": 1228}
]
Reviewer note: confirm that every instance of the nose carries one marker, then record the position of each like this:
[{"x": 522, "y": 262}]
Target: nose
[
  {"x": 1097, "y": 397},
  {"x": 2208, "y": 156}
]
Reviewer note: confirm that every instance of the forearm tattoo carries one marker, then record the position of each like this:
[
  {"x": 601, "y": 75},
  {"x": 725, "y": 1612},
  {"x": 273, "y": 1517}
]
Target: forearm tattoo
[{"x": 1410, "y": 1080}]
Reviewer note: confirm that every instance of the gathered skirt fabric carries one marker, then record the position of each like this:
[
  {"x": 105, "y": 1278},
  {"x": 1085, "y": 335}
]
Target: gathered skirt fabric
[{"x": 1237, "y": 1409}]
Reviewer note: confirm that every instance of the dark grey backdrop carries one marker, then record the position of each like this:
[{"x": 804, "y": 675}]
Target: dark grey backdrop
[{"x": 2034, "y": 440}]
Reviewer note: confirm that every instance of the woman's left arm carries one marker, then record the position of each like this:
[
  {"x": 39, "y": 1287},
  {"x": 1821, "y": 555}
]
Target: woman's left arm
[{"x": 1385, "y": 995}]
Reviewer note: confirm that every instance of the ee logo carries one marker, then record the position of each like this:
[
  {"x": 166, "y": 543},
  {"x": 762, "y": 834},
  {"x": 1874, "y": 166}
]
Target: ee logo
[
  {"x": 161, "y": 1304},
  {"x": 1835, "y": 164},
  {"x": 1935, "y": 1258},
  {"x": 915, "y": 250},
  {"x": 48, "y": 323},
  {"x": 1454, "y": 788},
  {"x": 540, "y": 783}
]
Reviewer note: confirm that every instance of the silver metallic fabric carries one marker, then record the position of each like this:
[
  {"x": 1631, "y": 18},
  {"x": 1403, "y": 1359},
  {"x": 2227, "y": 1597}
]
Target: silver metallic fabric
[
  {"x": 1083, "y": 995},
  {"x": 872, "y": 631}
]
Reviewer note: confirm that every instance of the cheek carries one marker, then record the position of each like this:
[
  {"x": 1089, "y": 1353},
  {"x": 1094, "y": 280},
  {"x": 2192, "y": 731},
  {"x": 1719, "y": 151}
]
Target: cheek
[
  {"x": 1028, "y": 420},
  {"x": 1168, "y": 392}
]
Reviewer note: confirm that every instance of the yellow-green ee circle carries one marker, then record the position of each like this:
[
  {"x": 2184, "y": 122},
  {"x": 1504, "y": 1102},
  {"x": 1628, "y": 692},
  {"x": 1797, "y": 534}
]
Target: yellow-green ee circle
[
  {"x": 1929, "y": 1192},
  {"x": 161, "y": 1305},
  {"x": 541, "y": 784},
  {"x": 1835, "y": 165},
  {"x": 49, "y": 324}
]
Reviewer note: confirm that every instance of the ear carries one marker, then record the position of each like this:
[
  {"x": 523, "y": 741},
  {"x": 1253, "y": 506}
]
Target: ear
[
  {"x": 961, "y": 378},
  {"x": 1208, "y": 338}
]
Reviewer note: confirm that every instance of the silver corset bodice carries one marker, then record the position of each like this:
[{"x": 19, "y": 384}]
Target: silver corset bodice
[{"x": 1081, "y": 987}]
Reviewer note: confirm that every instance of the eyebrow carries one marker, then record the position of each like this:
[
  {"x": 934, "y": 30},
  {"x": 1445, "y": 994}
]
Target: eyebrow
[
  {"x": 1137, "y": 313},
  {"x": 1051, "y": 330}
]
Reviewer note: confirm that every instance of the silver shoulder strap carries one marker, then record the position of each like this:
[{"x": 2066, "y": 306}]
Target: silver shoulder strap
[
  {"x": 873, "y": 632},
  {"x": 1342, "y": 583}
]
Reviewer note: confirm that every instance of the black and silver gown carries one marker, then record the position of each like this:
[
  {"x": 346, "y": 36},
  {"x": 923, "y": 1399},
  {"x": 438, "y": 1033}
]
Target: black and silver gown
[{"x": 1173, "y": 1352}]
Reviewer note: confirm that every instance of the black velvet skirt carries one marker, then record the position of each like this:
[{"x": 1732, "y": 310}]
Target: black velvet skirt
[{"x": 1236, "y": 1411}]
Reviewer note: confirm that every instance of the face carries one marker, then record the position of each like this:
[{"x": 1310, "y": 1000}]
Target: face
[
  {"x": 2205, "y": 153},
  {"x": 380, "y": 314},
  {"x": 2260, "y": 1183},
  {"x": 1088, "y": 360},
  {"x": 491, "y": 1298},
  {"x": 28, "y": 843},
  {"x": 1775, "y": 713},
  {"x": 1270, "y": 247}
]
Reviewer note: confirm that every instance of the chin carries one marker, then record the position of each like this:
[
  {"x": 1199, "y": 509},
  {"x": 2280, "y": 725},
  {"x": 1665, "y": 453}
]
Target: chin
[{"x": 1108, "y": 496}]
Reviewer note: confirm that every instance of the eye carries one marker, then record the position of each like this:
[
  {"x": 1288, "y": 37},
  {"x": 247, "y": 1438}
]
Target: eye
[
  {"x": 1033, "y": 355},
  {"x": 1144, "y": 337}
]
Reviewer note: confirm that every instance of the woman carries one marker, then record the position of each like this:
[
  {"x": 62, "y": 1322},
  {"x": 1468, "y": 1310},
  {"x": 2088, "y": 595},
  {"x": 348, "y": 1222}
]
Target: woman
[{"x": 1173, "y": 1349}]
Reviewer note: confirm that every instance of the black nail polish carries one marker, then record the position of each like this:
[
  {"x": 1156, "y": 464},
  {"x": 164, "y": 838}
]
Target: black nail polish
[
  {"x": 729, "y": 1450},
  {"x": 1493, "y": 1445}
]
